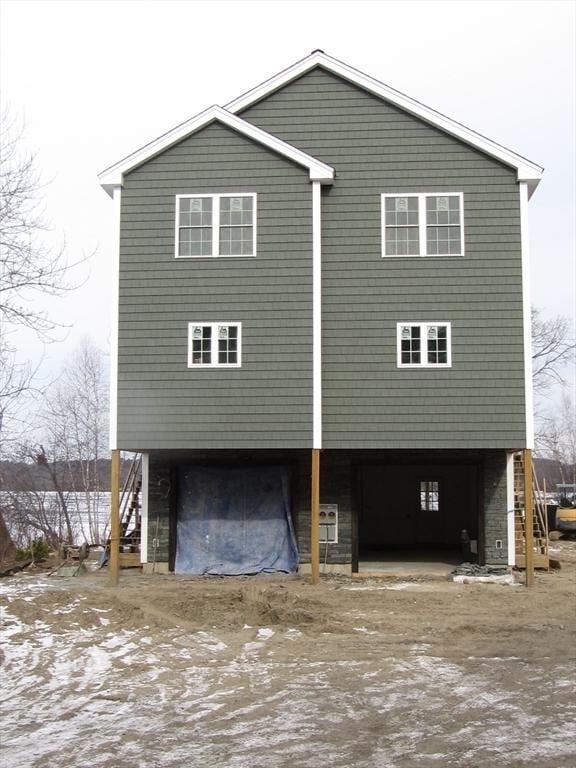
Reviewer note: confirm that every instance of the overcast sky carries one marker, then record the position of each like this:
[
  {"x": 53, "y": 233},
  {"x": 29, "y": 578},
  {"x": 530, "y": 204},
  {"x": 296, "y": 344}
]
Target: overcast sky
[{"x": 94, "y": 81}]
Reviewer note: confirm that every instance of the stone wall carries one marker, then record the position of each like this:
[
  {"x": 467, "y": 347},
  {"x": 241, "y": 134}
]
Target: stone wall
[
  {"x": 336, "y": 487},
  {"x": 159, "y": 492},
  {"x": 494, "y": 501}
]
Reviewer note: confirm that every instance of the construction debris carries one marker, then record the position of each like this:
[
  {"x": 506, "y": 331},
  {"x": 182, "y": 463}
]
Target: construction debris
[{"x": 471, "y": 573}]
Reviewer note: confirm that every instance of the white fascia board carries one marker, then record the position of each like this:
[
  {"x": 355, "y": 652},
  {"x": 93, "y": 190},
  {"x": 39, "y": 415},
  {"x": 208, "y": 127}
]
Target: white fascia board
[
  {"x": 526, "y": 169},
  {"x": 113, "y": 176}
]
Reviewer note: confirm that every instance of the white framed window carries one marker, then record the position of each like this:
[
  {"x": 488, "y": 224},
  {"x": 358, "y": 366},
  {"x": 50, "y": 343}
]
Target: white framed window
[
  {"x": 214, "y": 345},
  {"x": 429, "y": 496},
  {"x": 424, "y": 345},
  {"x": 423, "y": 224},
  {"x": 215, "y": 225}
]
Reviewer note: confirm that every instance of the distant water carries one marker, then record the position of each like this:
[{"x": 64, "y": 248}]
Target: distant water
[{"x": 90, "y": 518}]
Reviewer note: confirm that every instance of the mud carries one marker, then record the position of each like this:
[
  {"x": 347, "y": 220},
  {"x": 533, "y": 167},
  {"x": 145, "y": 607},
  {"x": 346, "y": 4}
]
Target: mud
[{"x": 271, "y": 673}]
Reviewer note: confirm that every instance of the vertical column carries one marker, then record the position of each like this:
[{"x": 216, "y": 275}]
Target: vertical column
[
  {"x": 115, "y": 518},
  {"x": 315, "y": 518},
  {"x": 316, "y": 315},
  {"x": 529, "y": 517}
]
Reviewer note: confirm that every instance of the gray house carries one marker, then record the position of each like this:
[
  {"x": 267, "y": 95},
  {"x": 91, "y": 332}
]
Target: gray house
[{"x": 325, "y": 273}]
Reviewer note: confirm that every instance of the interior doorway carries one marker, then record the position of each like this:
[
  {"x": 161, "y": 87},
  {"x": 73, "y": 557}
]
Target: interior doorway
[{"x": 416, "y": 514}]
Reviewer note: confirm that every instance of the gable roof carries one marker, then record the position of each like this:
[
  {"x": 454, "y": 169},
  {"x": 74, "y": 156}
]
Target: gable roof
[
  {"x": 112, "y": 176},
  {"x": 527, "y": 170}
]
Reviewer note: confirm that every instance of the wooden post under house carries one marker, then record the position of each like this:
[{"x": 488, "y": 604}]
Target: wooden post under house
[
  {"x": 115, "y": 518},
  {"x": 528, "y": 517},
  {"x": 315, "y": 518}
]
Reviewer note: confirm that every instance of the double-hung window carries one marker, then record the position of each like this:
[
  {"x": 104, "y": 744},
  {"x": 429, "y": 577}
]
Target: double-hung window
[
  {"x": 424, "y": 345},
  {"x": 423, "y": 224},
  {"x": 215, "y": 225},
  {"x": 214, "y": 345}
]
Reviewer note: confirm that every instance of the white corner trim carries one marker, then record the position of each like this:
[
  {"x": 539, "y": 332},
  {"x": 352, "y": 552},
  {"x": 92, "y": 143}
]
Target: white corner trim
[
  {"x": 510, "y": 508},
  {"x": 527, "y": 313},
  {"x": 144, "y": 508},
  {"x": 114, "y": 299},
  {"x": 527, "y": 170},
  {"x": 113, "y": 176},
  {"x": 316, "y": 315}
]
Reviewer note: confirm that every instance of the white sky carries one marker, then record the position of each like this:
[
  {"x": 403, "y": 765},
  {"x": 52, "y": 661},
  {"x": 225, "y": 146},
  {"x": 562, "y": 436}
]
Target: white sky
[{"x": 96, "y": 80}]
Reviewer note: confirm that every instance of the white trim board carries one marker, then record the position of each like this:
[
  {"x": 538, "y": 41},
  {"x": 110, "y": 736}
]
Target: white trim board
[
  {"x": 527, "y": 314},
  {"x": 316, "y": 315},
  {"x": 526, "y": 169},
  {"x": 144, "y": 508},
  {"x": 113, "y": 176},
  {"x": 114, "y": 310},
  {"x": 510, "y": 523}
]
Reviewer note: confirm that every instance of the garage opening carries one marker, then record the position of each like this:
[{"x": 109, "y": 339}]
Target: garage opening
[
  {"x": 420, "y": 519},
  {"x": 234, "y": 521}
]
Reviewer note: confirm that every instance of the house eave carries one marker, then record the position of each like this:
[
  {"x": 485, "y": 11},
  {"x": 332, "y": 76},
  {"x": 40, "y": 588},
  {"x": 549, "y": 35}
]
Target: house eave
[
  {"x": 113, "y": 176},
  {"x": 527, "y": 170}
]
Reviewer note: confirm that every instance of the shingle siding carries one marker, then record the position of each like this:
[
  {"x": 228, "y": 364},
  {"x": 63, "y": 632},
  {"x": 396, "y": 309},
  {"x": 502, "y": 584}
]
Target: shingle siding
[
  {"x": 268, "y": 401},
  {"x": 376, "y": 148}
]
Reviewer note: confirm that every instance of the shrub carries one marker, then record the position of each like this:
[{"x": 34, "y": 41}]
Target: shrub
[{"x": 37, "y": 550}]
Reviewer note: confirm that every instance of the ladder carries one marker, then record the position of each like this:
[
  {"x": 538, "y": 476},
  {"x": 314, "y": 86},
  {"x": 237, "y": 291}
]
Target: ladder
[
  {"x": 130, "y": 517},
  {"x": 539, "y": 516}
]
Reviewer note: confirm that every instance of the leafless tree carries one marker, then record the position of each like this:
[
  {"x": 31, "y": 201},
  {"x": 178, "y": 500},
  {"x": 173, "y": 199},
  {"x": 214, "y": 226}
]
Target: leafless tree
[
  {"x": 556, "y": 436},
  {"x": 75, "y": 416},
  {"x": 28, "y": 266},
  {"x": 59, "y": 494},
  {"x": 553, "y": 349}
]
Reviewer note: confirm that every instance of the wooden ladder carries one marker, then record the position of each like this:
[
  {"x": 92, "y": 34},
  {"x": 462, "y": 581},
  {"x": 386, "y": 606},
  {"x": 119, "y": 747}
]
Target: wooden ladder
[
  {"x": 539, "y": 516},
  {"x": 130, "y": 516}
]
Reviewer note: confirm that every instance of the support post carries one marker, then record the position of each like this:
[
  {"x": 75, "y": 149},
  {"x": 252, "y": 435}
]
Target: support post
[
  {"x": 315, "y": 517},
  {"x": 528, "y": 517},
  {"x": 115, "y": 518}
]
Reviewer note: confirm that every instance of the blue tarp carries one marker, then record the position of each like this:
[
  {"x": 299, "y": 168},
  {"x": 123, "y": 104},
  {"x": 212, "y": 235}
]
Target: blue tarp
[{"x": 234, "y": 521}]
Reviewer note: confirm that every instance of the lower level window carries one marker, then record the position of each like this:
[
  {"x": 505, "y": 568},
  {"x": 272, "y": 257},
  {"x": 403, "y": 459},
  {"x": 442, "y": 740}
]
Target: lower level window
[
  {"x": 424, "y": 345},
  {"x": 215, "y": 345},
  {"x": 429, "y": 496}
]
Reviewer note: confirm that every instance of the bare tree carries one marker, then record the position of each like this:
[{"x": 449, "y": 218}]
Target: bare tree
[
  {"x": 556, "y": 436},
  {"x": 76, "y": 424},
  {"x": 553, "y": 348},
  {"x": 28, "y": 267}
]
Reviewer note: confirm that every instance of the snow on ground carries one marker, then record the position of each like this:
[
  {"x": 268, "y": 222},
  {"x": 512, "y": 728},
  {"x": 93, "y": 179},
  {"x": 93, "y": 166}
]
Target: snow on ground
[{"x": 80, "y": 689}]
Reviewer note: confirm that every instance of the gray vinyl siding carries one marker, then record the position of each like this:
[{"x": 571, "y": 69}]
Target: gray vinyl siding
[
  {"x": 267, "y": 402},
  {"x": 376, "y": 148}
]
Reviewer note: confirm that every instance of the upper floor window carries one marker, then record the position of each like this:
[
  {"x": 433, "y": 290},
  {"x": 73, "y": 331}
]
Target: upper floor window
[
  {"x": 214, "y": 345},
  {"x": 423, "y": 224},
  {"x": 424, "y": 345},
  {"x": 215, "y": 225}
]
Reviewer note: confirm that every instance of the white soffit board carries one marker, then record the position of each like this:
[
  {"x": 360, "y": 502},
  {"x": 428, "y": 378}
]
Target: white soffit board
[
  {"x": 112, "y": 176},
  {"x": 527, "y": 170}
]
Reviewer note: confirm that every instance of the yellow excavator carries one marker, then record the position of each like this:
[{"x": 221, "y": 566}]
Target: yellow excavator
[{"x": 566, "y": 512}]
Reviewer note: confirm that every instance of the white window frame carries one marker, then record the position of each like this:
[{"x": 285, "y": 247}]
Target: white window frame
[
  {"x": 422, "y": 224},
  {"x": 216, "y": 197},
  {"x": 424, "y": 337},
  {"x": 214, "y": 351}
]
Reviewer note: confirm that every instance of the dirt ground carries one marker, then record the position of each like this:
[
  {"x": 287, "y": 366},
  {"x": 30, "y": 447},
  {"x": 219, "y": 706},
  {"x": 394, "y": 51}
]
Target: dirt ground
[{"x": 166, "y": 671}]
